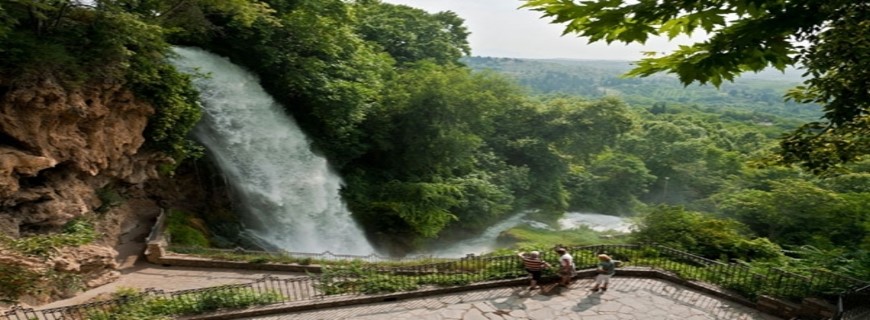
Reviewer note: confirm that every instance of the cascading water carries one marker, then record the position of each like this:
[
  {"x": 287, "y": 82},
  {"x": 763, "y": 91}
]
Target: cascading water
[{"x": 289, "y": 196}]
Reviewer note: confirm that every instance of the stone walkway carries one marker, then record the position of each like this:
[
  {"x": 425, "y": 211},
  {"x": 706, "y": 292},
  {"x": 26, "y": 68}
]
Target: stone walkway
[{"x": 627, "y": 299}]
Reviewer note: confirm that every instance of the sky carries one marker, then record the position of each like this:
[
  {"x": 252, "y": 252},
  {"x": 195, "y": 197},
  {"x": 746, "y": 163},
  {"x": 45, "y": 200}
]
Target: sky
[{"x": 499, "y": 29}]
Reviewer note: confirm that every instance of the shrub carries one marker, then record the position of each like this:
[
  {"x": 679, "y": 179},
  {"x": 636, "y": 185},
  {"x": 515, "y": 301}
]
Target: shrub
[
  {"x": 135, "y": 305},
  {"x": 109, "y": 197},
  {"x": 182, "y": 230},
  {"x": 75, "y": 233},
  {"x": 15, "y": 280}
]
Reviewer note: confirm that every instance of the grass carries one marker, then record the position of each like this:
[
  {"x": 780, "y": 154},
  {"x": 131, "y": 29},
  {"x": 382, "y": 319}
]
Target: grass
[
  {"x": 525, "y": 236},
  {"x": 135, "y": 305}
]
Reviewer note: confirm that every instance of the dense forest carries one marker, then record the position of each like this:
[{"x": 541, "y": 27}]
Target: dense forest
[
  {"x": 431, "y": 147},
  {"x": 760, "y": 92}
]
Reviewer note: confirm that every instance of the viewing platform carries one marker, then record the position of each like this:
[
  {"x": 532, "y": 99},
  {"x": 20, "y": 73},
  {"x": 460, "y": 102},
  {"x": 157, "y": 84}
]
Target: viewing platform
[{"x": 657, "y": 283}]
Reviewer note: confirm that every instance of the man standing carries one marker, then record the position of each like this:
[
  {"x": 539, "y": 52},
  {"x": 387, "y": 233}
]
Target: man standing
[{"x": 534, "y": 266}]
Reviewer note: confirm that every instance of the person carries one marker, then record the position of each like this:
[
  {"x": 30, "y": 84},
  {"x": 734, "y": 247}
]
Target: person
[
  {"x": 606, "y": 269},
  {"x": 566, "y": 267},
  {"x": 534, "y": 266}
]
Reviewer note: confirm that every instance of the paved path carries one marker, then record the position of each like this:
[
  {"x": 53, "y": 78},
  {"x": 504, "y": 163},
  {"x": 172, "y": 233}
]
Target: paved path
[{"x": 627, "y": 299}]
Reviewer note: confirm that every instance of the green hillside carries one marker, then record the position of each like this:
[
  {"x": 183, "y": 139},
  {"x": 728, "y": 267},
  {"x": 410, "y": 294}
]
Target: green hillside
[{"x": 755, "y": 92}]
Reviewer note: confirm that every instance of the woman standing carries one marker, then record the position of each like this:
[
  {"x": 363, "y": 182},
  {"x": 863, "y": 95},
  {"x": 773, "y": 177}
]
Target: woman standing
[{"x": 566, "y": 267}]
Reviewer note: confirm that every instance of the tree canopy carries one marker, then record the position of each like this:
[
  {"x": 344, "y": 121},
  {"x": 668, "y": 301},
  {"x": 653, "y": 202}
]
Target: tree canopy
[
  {"x": 410, "y": 34},
  {"x": 828, "y": 39}
]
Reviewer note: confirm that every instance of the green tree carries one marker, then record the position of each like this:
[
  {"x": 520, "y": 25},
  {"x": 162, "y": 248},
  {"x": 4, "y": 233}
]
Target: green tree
[
  {"x": 429, "y": 136},
  {"x": 612, "y": 184},
  {"x": 411, "y": 34},
  {"x": 797, "y": 212},
  {"x": 552, "y": 136},
  {"x": 695, "y": 232},
  {"x": 830, "y": 39}
]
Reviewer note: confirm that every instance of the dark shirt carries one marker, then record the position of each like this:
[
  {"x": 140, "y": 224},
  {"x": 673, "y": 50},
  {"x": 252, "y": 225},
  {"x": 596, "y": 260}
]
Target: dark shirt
[{"x": 608, "y": 266}]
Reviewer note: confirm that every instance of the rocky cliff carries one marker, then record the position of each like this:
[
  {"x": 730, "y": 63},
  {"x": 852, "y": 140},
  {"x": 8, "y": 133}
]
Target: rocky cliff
[{"x": 61, "y": 151}]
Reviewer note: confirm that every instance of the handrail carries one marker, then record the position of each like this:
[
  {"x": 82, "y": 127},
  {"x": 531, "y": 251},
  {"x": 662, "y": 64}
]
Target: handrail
[{"x": 859, "y": 297}]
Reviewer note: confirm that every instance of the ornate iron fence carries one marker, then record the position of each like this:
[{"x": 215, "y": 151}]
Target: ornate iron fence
[
  {"x": 265, "y": 291},
  {"x": 738, "y": 277}
]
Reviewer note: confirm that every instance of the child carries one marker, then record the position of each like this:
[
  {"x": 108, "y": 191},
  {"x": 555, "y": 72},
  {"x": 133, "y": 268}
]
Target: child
[{"x": 606, "y": 269}]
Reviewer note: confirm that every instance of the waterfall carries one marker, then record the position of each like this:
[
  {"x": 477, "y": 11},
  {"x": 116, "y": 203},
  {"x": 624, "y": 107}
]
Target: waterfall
[{"x": 288, "y": 195}]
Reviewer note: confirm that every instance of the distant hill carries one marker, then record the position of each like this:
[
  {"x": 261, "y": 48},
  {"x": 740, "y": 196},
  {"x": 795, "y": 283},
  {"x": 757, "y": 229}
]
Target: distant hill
[{"x": 758, "y": 92}]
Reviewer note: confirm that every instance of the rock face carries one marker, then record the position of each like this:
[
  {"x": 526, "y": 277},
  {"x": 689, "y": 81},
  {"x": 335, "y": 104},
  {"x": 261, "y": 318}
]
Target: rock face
[{"x": 59, "y": 149}]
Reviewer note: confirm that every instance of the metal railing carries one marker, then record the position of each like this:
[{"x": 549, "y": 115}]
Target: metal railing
[
  {"x": 359, "y": 278},
  {"x": 298, "y": 257},
  {"x": 854, "y": 304},
  {"x": 737, "y": 277},
  {"x": 734, "y": 276},
  {"x": 265, "y": 291}
]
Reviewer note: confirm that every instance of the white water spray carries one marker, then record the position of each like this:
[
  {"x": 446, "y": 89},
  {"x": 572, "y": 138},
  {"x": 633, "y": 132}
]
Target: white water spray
[
  {"x": 290, "y": 197},
  {"x": 595, "y": 221},
  {"x": 486, "y": 242}
]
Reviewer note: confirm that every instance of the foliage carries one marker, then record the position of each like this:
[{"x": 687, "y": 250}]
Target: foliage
[
  {"x": 137, "y": 305},
  {"x": 186, "y": 230},
  {"x": 796, "y": 212},
  {"x": 75, "y": 233},
  {"x": 525, "y": 236},
  {"x": 427, "y": 141},
  {"x": 701, "y": 234},
  {"x": 428, "y": 214},
  {"x": 756, "y": 98},
  {"x": 834, "y": 58},
  {"x": 16, "y": 280},
  {"x": 358, "y": 279},
  {"x": 177, "y": 111},
  {"x": 612, "y": 184},
  {"x": 79, "y": 44},
  {"x": 409, "y": 34},
  {"x": 750, "y": 36},
  {"x": 109, "y": 198}
]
